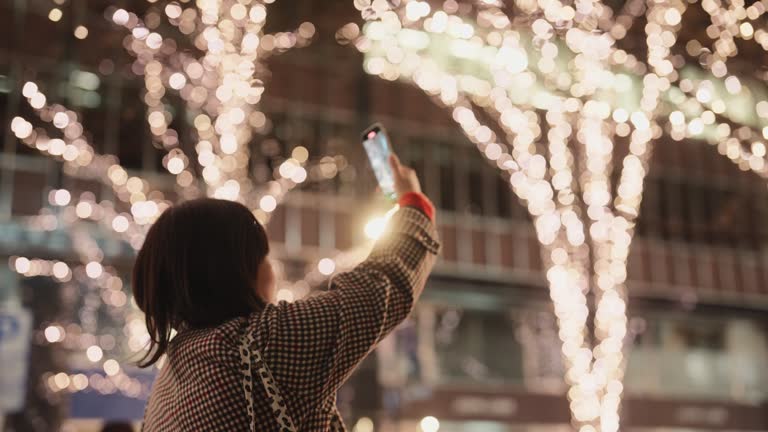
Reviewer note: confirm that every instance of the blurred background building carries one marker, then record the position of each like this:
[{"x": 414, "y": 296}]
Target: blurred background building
[{"x": 481, "y": 352}]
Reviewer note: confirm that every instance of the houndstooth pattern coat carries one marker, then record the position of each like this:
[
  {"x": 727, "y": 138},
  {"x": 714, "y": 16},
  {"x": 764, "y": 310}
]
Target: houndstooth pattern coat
[{"x": 311, "y": 345}]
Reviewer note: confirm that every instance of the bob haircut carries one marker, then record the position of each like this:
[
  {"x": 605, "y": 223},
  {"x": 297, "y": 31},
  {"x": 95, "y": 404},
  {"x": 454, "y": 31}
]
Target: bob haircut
[{"x": 197, "y": 269}]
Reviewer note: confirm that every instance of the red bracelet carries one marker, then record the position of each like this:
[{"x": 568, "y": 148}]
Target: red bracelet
[{"x": 419, "y": 201}]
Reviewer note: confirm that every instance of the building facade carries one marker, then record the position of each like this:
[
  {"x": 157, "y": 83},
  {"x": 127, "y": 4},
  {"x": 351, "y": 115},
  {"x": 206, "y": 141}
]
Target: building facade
[{"x": 481, "y": 351}]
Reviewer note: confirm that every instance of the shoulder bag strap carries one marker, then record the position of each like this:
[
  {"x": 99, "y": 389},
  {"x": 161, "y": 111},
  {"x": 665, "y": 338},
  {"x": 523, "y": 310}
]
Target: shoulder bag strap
[{"x": 251, "y": 361}]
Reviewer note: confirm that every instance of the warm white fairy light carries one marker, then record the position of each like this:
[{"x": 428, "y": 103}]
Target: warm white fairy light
[
  {"x": 80, "y": 158},
  {"x": 326, "y": 266},
  {"x": 109, "y": 292},
  {"x": 268, "y": 203},
  {"x": 54, "y": 333},
  {"x": 111, "y": 367},
  {"x": 728, "y": 23},
  {"x": 91, "y": 271},
  {"x": 94, "y": 353},
  {"x": 60, "y": 197},
  {"x": 223, "y": 93},
  {"x": 429, "y": 424},
  {"x": 219, "y": 89},
  {"x": 55, "y": 14},
  {"x": 81, "y": 32},
  {"x": 110, "y": 289},
  {"x": 397, "y": 44},
  {"x": 40, "y": 267}
]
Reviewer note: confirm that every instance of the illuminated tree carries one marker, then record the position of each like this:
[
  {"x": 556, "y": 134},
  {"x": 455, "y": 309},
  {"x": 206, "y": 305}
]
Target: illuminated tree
[
  {"x": 221, "y": 89},
  {"x": 549, "y": 96},
  {"x": 213, "y": 63}
]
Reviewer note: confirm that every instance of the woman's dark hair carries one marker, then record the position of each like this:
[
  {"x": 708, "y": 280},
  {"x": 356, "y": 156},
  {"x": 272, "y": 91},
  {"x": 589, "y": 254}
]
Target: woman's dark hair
[{"x": 197, "y": 269}]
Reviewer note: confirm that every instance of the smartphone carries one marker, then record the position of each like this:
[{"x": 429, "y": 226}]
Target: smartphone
[{"x": 377, "y": 146}]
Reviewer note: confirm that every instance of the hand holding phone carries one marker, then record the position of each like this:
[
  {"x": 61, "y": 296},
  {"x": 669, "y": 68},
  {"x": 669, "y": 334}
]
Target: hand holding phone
[
  {"x": 394, "y": 178},
  {"x": 406, "y": 179},
  {"x": 376, "y": 144}
]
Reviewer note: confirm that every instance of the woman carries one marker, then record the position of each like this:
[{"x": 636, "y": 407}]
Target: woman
[{"x": 240, "y": 362}]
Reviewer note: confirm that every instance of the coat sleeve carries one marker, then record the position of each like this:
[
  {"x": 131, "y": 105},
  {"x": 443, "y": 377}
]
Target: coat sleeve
[{"x": 313, "y": 345}]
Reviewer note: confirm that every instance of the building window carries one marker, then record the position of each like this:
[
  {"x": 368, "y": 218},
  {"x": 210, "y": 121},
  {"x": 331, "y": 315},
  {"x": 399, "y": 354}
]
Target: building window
[
  {"x": 712, "y": 358},
  {"x": 466, "y": 346},
  {"x": 719, "y": 214},
  {"x": 447, "y": 178}
]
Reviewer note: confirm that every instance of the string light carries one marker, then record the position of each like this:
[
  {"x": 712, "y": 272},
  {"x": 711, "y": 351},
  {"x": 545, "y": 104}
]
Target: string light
[
  {"x": 429, "y": 424},
  {"x": 79, "y": 157},
  {"x": 81, "y": 32},
  {"x": 94, "y": 353},
  {"x": 326, "y": 266},
  {"x": 55, "y": 14},
  {"x": 221, "y": 90},
  {"x": 54, "y": 334},
  {"x": 555, "y": 64},
  {"x": 223, "y": 95},
  {"x": 91, "y": 273}
]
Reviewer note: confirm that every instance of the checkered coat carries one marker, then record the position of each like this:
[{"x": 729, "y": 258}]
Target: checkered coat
[{"x": 311, "y": 346}]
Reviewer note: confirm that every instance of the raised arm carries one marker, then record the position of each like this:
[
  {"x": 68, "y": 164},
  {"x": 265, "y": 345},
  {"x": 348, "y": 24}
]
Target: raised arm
[{"x": 313, "y": 345}]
